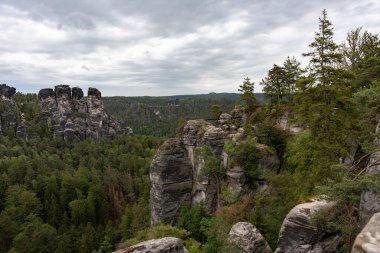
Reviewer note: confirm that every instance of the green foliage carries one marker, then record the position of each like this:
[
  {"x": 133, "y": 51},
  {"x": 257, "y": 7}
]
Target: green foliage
[
  {"x": 216, "y": 111},
  {"x": 210, "y": 162},
  {"x": 248, "y": 96},
  {"x": 324, "y": 54},
  {"x": 280, "y": 83},
  {"x": 273, "y": 137},
  {"x": 190, "y": 219},
  {"x": 160, "y": 116},
  {"x": 159, "y": 232},
  {"x": 35, "y": 237},
  {"x": 272, "y": 205},
  {"x": 74, "y": 192},
  {"x": 244, "y": 154},
  {"x": 346, "y": 191}
]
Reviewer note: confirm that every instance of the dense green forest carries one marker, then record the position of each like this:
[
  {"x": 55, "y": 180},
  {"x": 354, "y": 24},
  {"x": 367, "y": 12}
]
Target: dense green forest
[
  {"x": 160, "y": 116},
  {"x": 57, "y": 196}
]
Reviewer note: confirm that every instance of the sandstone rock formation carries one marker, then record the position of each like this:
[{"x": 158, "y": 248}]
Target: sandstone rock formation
[
  {"x": 7, "y": 92},
  {"x": 163, "y": 245},
  {"x": 368, "y": 240},
  {"x": 73, "y": 117},
  {"x": 9, "y": 113},
  {"x": 180, "y": 173},
  {"x": 246, "y": 238},
  {"x": 370, "y": 200},
  {"x": 171, "y": 182},
  {"x": 283, "y": 121},
  {"x": 299, "y": 235}
]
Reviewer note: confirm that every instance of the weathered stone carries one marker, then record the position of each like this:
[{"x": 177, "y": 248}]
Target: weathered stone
[
  {"x": 62, "y": 90},
  {"x": 224, "y": 118},
  {"x": 7, "y": 91},
  {"x": 93, "y": 92},
  {"x": 268, "y": 158},
  {"x": 75, "y": 118},
  {"x": 171, "y": 182},
  {"x": 46, "y": 93},
  {"x": 163, "y": 245},
  {"x": 215, "y": 138},
  {"x": 22, "y": 131},
  {"x": 193, "y": 132},
  {"x": 370, "y": 200},
  {"x": 368, "y": 240},
  {"x": 236, "y": 178},
  {"x": 77, "y": 93},
  {"x": 369, "y": 205},
  {"x": 299, "y": 235},
  {"x": 246, "y": 238},
  {"x": 8, "y": 120}
]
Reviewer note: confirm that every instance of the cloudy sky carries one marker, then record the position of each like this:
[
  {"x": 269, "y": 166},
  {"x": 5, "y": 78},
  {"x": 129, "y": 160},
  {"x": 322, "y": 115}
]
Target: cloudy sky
[{"x": 162, "y": 47}]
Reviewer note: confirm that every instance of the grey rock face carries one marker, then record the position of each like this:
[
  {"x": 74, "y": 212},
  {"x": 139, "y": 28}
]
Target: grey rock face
[
  {"x": 10, "y": 113},
  {"x": 246, "y": 238},
  {"x": 77, "y": 93},
  {"x": 368, "y": 240},
  {"x": 163, "y": 245},
  {"x": 299, "y": 235},
  {"x": 7, "y": 91},
  {"x": 171, "y": 180},
  {"x": 268, "y": 159},
  {"x": 75, "y": 118},
  {"x": 186, "y": 158},
  {"x": 370, "y": 201}
]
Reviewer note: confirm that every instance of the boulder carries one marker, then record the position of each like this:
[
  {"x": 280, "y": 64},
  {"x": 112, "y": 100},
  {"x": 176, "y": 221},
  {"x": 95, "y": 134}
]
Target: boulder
[
  {"x": 368, "y": 240},
  {"x": 163, "y": 245},
  {"x": 246, "y": 238},
  {"x": 171, "y": 180},
  {"x": 299, "y": 235}
]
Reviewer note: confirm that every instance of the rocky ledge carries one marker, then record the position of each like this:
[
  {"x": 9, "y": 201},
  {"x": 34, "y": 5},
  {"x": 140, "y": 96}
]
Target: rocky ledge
[{"x": 163, "y": 245}]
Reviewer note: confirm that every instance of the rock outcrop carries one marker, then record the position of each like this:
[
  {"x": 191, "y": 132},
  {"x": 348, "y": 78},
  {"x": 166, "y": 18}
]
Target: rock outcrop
[
  {"x": 10, "y": 116},
  {"x": 299, "y": 235},
  {"x": 180, "y": 173},
  {"x": 7, "y": 92},
  {"x": 171, "y": 182},
  {"x": 370, "y": 200},
  {"x": 74, "y": 117},
  {"x": 246, "y": 238},
  {"x": 163, "y": 245},
  {"x": 368, "y": 240}
]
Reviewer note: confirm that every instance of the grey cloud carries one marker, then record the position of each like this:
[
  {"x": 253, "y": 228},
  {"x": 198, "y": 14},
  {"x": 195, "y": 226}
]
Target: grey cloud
[{"x": 97, "y": 34}]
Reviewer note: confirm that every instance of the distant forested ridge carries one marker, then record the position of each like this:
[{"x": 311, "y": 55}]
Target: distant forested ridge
[{"x": 160, "y": 115}]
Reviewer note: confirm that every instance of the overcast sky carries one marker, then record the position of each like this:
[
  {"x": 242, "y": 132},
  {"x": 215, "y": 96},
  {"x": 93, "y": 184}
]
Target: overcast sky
[{"x": 162, "y": 47}]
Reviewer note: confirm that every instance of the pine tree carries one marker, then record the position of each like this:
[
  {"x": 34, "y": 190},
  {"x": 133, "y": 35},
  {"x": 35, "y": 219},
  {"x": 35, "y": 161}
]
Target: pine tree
[
  {"x": 293, "y": 72},
  {"x": 248, "y": 96},
  {"x": 324, "y": 54},
  {"x": 280, "y": 83},
  {"x": 274, "y": 84}
]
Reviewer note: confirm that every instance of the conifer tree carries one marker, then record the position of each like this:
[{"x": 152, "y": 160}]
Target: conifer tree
[
  {"x": 280, "y": 83},
  {"x": 324, "y": 54},
  {"x": 248, "y": 96}
]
